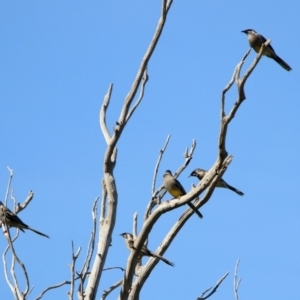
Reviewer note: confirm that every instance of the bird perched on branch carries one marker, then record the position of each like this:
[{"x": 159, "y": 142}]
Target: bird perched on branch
[
  {"x": 10, "y": 219},
  {"x": 200, "y": 173},
  {"x": 256, "y": 40},
  {"x": 129, "y": 241},
  {"x": 174, "y": 187}
]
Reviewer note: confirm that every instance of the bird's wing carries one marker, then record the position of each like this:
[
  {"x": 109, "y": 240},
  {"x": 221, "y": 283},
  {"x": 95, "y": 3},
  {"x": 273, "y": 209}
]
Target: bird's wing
[
  {"x": 179, "y": 186},
  {"x": 264, "y": 40},
  {"x": 13, "y": 218}
]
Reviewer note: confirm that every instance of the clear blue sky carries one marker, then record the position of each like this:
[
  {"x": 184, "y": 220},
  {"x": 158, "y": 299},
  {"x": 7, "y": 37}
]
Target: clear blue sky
[{"x": 57, "y": 61}]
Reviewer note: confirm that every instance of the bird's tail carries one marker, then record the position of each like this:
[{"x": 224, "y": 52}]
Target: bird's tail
[
  {"x": 198, "y": 213},
  {"x": 163, "y": 259},
  {"x": 282, "y": 62},
  {"x": 38, "y": 232},
  {"x": 235, "y": 190}
]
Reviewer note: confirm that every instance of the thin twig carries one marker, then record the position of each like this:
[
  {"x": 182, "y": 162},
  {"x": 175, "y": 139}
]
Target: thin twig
[
  {"x": 134, "y": 229},
  {"x": 110, "y": 289},
  {"x": 161, "y": 191},
  {"x": 203, "y": 297},
  {"x": 91, "y": 247},
  {"x": 143, "y": 84},
  {"x": 5, "y": 269},
  {"x": 113, "y": 268},
  {"x": 102, "y": 116},
  {"x": 161, "y": 153},
  {"x": 236, "y": 282},
  {"x": 11, "y": 174},
  {"x": 15, "y": 257},
  {"x": 155, "y": 199},
  {"x": 53, "y": 287},
  {"x": 72, "y": 268}
]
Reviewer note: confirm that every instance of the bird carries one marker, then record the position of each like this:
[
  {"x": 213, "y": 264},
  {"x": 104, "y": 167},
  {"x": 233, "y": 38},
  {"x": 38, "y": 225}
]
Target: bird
[
  {"x": 12, "y": 220},
  {"x": 174, "y": 187},
  {"x": 129, "y": 241},
  {"x": 256, "y": 40},
  {"x": 200, "y": 173}
]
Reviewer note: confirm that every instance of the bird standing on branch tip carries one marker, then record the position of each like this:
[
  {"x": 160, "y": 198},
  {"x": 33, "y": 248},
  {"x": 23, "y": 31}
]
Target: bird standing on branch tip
[
  {"x": 10, "y": 219},
  {"x": 174, "y": 187},
  {"x": 129, "y": 241},
  {"x": 200, "y": 173},
  {"x": 256, "y": 40}
]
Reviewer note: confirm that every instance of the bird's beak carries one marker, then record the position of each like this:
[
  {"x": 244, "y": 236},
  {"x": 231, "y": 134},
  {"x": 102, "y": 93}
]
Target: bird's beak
[{"x": 245, "y": 31}]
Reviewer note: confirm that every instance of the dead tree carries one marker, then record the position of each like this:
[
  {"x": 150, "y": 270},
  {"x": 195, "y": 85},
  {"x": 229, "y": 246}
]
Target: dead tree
[{"x": 85, "y": 283}]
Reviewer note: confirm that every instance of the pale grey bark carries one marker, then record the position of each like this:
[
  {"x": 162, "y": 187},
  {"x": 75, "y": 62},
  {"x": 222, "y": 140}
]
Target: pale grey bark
[
  {"x": 236, "y": 281},
  {"x": 131, "y": 285}
]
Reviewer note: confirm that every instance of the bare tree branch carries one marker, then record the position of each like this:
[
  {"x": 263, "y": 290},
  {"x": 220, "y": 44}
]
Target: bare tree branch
[
  {"x": 110, "y": 289},
  {"x": 161, "y": 153},
  {"x": 203, "y": 297},
  {"x": 161, "y": 191},
  {"x": 19, "y": 207},
  {"x": 225, "y": 120},
  {"x": 102, "y": 116},
  {"x": 16, "y": 288},
  {"x": 91, "y": 247},
  {"x": 208, "y": 185},
  {"x": 144, "y": 81},
  {"x": 5, "y": 269},
  {"x": 72, "y": 268},
  {"x": 209, "y": 181},
  {"x": 134, "y": 229},
  {"x": 11, "y": 174},
  {"x": 107, "y": 224},
  {"x": 53, "y": 287},
  {"x": 236, "y": 282},
  {"x": 113, "y": 268}
]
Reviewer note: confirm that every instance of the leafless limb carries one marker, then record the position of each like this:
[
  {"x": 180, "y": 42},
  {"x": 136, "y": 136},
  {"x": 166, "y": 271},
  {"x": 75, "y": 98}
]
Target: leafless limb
[
  {"x": 72, "y": 268},
  {"x": 203, "y": 297},
  {"x": 53, "y": 287},
  {"x": 134, "y": 229},
  {"x": 107, "y": 224},
  {"x": 91, "y": 247},
  {"x": 5, "y": 266},
  {"x": 188, "y": 155},
  {"x": 15, "y": 287},
  {"x": 208, "y": 182},
  {"x": 110, "y": 289},
  {"x": 161, "y": 153},
  {"x": 11, "y": 174},
  {"x": 207, "y": 185},
  {"x": 112, "y": 268},
  {"x": 102, "y": 116},
  {"x": 143, "y": 84},
  {"x": 161, "y": 191},
  {"x": 225, "y": 120},
  {"x": 236, "y": 282},
  {"x": 19, "y": 207}
]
